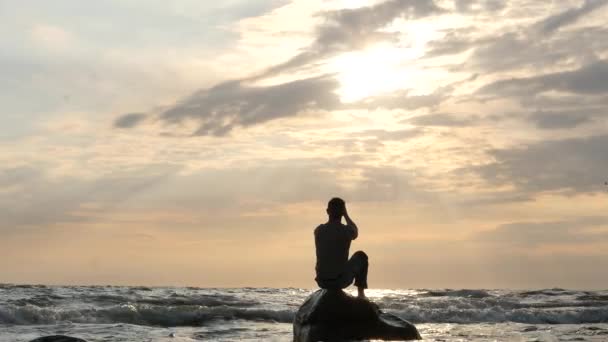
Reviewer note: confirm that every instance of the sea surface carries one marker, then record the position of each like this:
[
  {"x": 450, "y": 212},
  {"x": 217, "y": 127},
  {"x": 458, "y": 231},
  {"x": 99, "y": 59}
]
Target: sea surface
[{"x": 112, "y": 313}]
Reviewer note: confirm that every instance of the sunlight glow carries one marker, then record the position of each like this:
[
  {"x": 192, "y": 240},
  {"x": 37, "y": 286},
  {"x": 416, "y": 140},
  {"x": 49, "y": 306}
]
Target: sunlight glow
[
  {"x": 366, "y": 73},
  {"x": 383, "y": 70},
  {"x": 385, "y": 67}
]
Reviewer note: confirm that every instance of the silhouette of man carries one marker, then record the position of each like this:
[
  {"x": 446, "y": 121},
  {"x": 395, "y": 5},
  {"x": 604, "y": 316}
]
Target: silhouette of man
[{"x": 332, "y": 242}]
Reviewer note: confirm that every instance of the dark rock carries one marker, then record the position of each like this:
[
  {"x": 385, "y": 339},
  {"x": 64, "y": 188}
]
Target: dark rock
[
  {"x": 58, "y": 338},
  {"x": 333, "y": 315}
]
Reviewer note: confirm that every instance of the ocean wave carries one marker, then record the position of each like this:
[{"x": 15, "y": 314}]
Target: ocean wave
[
  {"x": 547, "y": 292},
  {"x": 456, "y": 293},
  {"x": 481, "y": 304},
  {"x": 22, "y": 286},
  {"x": 173, "y": 300},
  {"x": 140, "y": 315},
  {"x": 499, "y": 315},
  {"x": 167, "y": 307},
  {"x": 593, "y": 297},
  {"x": 147, "y": 315}
]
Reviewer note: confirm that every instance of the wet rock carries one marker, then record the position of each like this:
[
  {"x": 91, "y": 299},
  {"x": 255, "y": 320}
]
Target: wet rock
[{"x": 333, "y": 315}]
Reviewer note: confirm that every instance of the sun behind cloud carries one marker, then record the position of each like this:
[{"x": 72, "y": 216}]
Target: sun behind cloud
[
  {"x": 367, "y": 73},
  {"x": 386, "y": 66}
]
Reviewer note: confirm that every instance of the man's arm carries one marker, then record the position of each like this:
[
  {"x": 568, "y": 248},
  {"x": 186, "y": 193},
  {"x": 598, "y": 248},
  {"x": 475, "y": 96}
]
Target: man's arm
[{"x": 350, "y": 224}]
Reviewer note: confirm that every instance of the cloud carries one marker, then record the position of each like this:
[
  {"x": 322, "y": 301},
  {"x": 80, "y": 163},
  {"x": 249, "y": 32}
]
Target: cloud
[
  {"x": 34, "y": 199},
  {"x": 570, "y": 16},
  {"x": 466, "y": 6},
  {"x": 387, "y": 184},
  {"x": 564, "y": 111},
  {"x": 294, "y": 181},
  {"x": 563, "y": 119},
  {"x": 238, "y": 103},
  {"x": 232, "y": 104},
  {"x": 402, "y": 99},
  {"x": 443, "y": 119},
  {"x": 563, "y": 102},
  {"x": 129, "y": 120},
  {"x": 396, "y": 135},
  {"x": 352, "y": 29},
  {"x": 576, "y": 165},
  {"x": 455, "y": 41},
  {"x": 587, "y": 80},
  {"x": 241, "y": 103},
  {"x": 534, "y": 234},
  {"x": 493, "y": 52}
]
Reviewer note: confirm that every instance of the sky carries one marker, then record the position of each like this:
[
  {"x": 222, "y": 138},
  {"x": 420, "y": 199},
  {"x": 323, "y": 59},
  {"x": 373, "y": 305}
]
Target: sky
[{"x": 196, "y": 143}]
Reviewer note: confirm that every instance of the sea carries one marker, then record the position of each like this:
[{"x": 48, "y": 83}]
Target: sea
[{"x": 117, "y": 313}]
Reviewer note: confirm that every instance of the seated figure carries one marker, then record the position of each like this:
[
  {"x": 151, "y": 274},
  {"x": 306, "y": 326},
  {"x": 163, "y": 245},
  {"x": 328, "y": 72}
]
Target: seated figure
[{"x": 332, "y": 241}]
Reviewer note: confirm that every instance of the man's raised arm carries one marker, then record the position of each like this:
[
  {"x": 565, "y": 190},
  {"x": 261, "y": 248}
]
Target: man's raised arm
[{"x": 351, "y": 224}]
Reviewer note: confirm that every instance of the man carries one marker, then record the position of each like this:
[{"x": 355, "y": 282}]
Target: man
[{"x": 332, "y": 242}]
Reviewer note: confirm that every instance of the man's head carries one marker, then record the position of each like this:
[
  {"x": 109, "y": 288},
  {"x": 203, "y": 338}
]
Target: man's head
[{"x": 335, "y": 208}]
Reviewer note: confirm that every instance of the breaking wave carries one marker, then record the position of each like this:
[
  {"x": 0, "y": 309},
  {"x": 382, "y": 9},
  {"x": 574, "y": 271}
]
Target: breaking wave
[
  {"x": 457, "y": 293},
  {"x": 174, "y": 307},
  {"x": 198, "y": 316},
  {"x": 500, "y": 315},
  {"x": 140, "y": 315}
]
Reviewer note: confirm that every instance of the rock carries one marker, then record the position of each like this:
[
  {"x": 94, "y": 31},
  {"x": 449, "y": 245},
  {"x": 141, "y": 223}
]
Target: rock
[
  {"x": 58, "y": 338},
  {"x": 333, "y": 315}
]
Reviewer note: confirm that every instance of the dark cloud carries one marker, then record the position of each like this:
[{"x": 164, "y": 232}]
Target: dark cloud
[
  {"x": 533, "y": 234},
  {"x": 443, "y": 119},
  {"x": 235, "y": 104},
  {"x": 455, "y": 41},
  {"x": 232, "y": 104},
  {"x": 562, "y": 119},
  {"x": 587, "y": 80},
  {"x": 496, "y": 53},
  {"x": 569, "y": 102},
  {"x": 352, "y": 29},
  {"x": 570, "y": 166},
  {"x": 129, "y": 120},
  {"x": 493, "y": 52},
  {"x": 570, "y": 16},
  {"x": 494, "y": 5}
]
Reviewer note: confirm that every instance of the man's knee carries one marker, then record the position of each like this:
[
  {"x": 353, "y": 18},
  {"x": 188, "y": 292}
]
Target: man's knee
[{"x": 361, "y": 255}]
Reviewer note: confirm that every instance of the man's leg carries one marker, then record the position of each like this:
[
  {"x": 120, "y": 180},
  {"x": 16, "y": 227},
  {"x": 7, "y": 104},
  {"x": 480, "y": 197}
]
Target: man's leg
[{"x": 358, "y": 264}]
